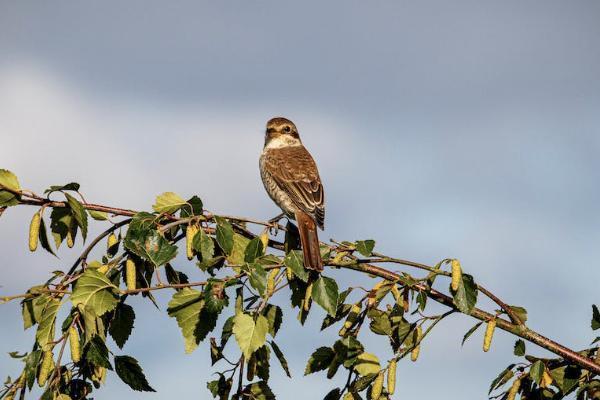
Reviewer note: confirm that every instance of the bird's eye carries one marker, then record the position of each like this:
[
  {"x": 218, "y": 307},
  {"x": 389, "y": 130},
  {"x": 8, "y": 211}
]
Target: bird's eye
[{"x": 287, "y": 129}]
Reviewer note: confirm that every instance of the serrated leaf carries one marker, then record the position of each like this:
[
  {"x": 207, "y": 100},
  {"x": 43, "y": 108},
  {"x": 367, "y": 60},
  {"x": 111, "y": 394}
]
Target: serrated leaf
[
  {"x": 319, "y": 360},
  {"x": 74, "y": 186},
  {"x": 60, "y": 222},
  {"x": 536, "y": 371},
  {"x": 519, "y": 349},
  {"x": 43, "y": 237},
  {"x": 293, "y": 261},
  {"x": 566, "y": 378},
  {"x": 281, "y": 358},
  {"x": 204, "y": 245},
  {"x": 185, "y": 307},
  {"x": 325, "y": 294},
  {"x": 215, "y": 297},
  {"x": 253, "y": 250},
  {"x": 96, "y": 353},
  {"x": 521, "y": 313},
  {"x": 367, "y": 364},
  {"x": 505, "y": 375},
  {"x": 47, "y": 322},
  {"x": 143, "y": 240},
  {"x": 274, "y": 315},
  {"x": 122, "y": 324},
  {"x": 258, "y": 277},
  {"x": 130, "y": 372},
  {"x": 470, "y": 332},
  {"x": 168, "y": 202},
  {"x": 79, "y": 213},
  {"x": 10, "y": 181},
  {"x": 465, "y": 297},
  {"x": 365, "y": 247},
  {"x": 93, "y": 289},
  {"x": 224, "y": 235},
  {"x": 259, "y": 391},
  {"x": 250, "y": 335},
  {"x": 192, "y": 207},
  {"x": 595, "y": 317}
]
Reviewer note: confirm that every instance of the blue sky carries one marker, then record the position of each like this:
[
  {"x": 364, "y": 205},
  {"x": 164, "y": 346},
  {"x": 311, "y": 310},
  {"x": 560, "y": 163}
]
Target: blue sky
[{"x": 465, "y": 129}]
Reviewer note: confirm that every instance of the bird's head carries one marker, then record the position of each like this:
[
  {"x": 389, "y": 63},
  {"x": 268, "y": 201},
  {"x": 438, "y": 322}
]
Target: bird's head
[{"x": 281, "y": 132}]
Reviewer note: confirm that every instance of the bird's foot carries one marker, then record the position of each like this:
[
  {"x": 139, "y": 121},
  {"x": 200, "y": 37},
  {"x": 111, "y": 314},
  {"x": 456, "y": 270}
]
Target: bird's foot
[{"x": 274, "y": 224}]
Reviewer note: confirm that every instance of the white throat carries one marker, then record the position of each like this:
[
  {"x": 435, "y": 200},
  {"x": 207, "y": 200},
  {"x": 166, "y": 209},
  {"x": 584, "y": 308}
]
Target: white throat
[{"x": 282, "y": 141}]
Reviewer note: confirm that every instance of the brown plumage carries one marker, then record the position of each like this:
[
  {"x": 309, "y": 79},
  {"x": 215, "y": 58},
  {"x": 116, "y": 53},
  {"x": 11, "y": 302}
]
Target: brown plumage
[{"x": 292, "y": 180}]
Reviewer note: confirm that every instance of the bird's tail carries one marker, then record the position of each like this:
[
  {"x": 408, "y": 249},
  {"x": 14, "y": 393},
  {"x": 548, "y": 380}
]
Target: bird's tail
[{"x": 310, "y": 241}]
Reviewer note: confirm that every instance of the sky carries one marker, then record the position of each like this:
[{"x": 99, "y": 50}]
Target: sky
[{"x": 465, "y": 129}]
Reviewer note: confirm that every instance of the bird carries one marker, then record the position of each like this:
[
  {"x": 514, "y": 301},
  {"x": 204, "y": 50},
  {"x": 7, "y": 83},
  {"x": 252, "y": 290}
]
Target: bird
[{"x": 291, "y": 178}]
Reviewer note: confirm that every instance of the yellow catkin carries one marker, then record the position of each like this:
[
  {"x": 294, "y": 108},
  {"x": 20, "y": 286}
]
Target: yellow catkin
[
  {"x": 405, "y": 302},
  {"x": 99, "y": 374},
  {"x": 514, "y": 389},
  {"x": 34, "y": 231},
  {"x": 264, "y": 238},
  {"x": 350, "y": 319},
  {"x": 391, "y": 377},
  {"x": 377, "y": 387},
  {"x": 271, "y": 281},
  {"x": 71, "y": 234},
  {"x": 190, "y": 232},
  {"x": 546, "y": 380},
  {"x": 307, "y": 296},
  {"x": 45, "y": 368},
  {"x": 130, "y": 275},
  {"x": 111, "y": 241},
  {"x": 414, "y": 354},
  {"x": 456, "y": 274},
  {"x": 489, "y": 334},
  {"x": 74, "y": 344},
  {"x": 103, "y": 269},
  {"x": 397, "y": 295}
]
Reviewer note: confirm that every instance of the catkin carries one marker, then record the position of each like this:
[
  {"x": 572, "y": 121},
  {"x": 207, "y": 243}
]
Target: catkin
[
  {"x": 456, "y": 274},
  {"x": 45, "y": 368},
  {"x": 190, "y": 232},
  {"x": 397, "y": 295},
  {"x": 489, "y": 334},
  {"x": 34, "y": 231},
  {"x": 264, "y": 238},
  {"x": 377, "y": 387},
  {"x": 111, "y": 241},
  {"x": 74, "y": 344},
  {"x": 350, "y": 319},
  {"x": 271, "y": 281},
  {"x": 514, "y": 389},
  {"x": 307, "y": 296},
  {"x": 414, "y": 354},
  {"x": 130, "y": 275},
  {"x": 391, "y": 377},
  {"x": 70, "y": 233},
  {"x": 348, "y": 396}
]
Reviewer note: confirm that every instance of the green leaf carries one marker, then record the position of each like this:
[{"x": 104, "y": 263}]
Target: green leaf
[
  {"x": 193, "y": 207},
  {"x": 250, "y": 335},
  {"x": 204, "y": 245},
  {"x": 566, "y": 377},
  {"x": 93, "y": 289},
  {"x": 10, "y": 181},
  {"x": 168, "y": 202},
  {"x": 96, "y": 352},
  {"x": 348, "y": 349},
  {"x": 215, "y": 297},
  {"x": 239, "y": 247},
  {"x": 521, "y": 313},
  {"x": 258, "y": 278},
  {"x": 274, "y": 315},
  {"x": 79, "y": 213},
  {"x": 32, "y": 362},
  {"x": 254, "y": 249},
  {"x": 61, "y": 220},
  {"x": 380, "y": 322},
  {"x": 220, "y": 387},
  {"x": 224, "y": 235},
  {"x": 519, "y": 348},
  {"x": 504, "y": 376},
  {"x": 122, "y": 324},
  {"x": 43, "y": 237},
  {"x": 185, "y": 306},
  {"x": 365, "y": 247},
  {"x": 465, "y": 297},
  {"x": 595, "y": 317},
  {"x": 74, "y": 186},
  {"x": 536, "y": 371},
  {"x": 98, "y": 215},
  {"x": 325, "y": 294},
  {"x": 143, "y": 240},
  {"x": 367, "y": 364},
  {"x": 334, "y": 394},
  {"x": 130, "y": 372},
  {"x": 319, "y": 360},
  {"x": 293, "y": 260},
  {"x": 281, "y": 358},
  {"x": 470, "y": 332},
  {"x": 47, "y": 322},
  {"x": 259, "y": 391}
]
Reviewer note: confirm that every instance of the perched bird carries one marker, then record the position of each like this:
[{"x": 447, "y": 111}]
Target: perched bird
[{"x": 291, "y": 179}]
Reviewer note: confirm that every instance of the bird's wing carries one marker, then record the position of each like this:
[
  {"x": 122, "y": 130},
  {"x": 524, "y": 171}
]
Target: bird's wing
[{"x": 295, "y": 172}]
